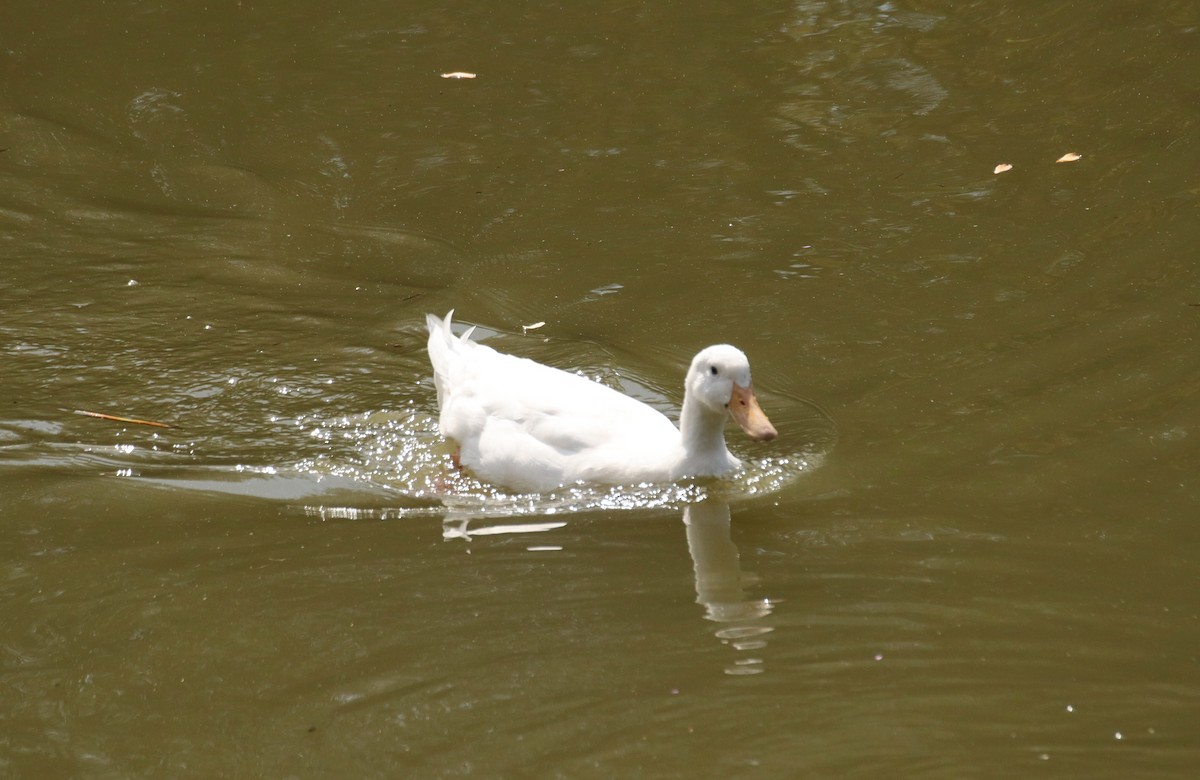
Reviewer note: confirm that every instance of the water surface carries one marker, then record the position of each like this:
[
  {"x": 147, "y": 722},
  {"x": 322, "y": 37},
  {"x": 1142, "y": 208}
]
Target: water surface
[{"x": 968, "y": 554}]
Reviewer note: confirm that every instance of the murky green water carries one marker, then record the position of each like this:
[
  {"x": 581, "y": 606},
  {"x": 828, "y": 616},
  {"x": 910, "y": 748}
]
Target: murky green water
[{"x": 969, "y": 554}]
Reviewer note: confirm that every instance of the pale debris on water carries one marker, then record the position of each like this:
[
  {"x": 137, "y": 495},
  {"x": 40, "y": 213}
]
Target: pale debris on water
[
  {"x": 1001, "y": 168},
  {"x": 534, "y": 326},
  {"x": 1069, "y": 157},
  {"x": 458, "y": 74}
]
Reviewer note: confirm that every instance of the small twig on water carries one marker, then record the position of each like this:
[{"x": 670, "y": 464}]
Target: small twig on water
[{"x": 115, "y": 418}]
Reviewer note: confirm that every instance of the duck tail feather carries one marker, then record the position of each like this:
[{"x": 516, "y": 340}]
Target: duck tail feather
[{"x": 441, "y": 349}]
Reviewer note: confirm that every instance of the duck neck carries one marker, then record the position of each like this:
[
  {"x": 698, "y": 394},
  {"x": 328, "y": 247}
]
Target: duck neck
[{"x": 702, "y": 430}]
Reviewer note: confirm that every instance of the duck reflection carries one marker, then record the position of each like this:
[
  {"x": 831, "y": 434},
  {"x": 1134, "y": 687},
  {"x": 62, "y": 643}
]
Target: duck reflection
[{"x": 721, "y": 584}]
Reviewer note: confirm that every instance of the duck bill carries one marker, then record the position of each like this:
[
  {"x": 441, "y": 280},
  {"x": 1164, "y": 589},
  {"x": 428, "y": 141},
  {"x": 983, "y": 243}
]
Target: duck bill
[{"x": 748, "y": 414}]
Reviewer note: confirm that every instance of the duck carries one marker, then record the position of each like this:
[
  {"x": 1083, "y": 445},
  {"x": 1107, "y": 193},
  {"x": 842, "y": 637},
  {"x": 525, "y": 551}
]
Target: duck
[{"x": 523, "y": 425}]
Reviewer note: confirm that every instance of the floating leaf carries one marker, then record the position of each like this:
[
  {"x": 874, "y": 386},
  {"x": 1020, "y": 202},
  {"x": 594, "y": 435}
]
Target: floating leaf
[
  {"x": 534, "y": 326},
  {"x": 458, "y": 74},
  {"x": 1001, "y": 168},
  {"x": 1069, "y": 157}
]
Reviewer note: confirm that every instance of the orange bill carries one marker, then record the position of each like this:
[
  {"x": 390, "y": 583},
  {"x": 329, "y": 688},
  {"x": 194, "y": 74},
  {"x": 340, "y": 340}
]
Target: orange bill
[{"x": 748, "y": 414}]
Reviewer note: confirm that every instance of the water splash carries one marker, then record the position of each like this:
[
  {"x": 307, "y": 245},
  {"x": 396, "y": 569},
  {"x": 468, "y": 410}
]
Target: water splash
[{"x": 403, "y": 453}]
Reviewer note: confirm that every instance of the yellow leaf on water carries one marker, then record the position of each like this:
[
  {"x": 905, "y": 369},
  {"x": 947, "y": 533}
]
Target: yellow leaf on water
[
  {"x": 1001, "y": 168},
  {"x": 1069, "y": 157}
]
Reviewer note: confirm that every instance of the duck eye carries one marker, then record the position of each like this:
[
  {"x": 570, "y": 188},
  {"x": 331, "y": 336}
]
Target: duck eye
[{"x": 713, "y": 369}]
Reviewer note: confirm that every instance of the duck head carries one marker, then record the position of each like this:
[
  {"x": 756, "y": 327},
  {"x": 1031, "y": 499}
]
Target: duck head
[{"x": 719, "y": 379}]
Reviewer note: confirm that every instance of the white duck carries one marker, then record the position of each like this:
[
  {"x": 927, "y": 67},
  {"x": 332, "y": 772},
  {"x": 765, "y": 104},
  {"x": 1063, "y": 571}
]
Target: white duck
[{"x": 528, "y": 426}]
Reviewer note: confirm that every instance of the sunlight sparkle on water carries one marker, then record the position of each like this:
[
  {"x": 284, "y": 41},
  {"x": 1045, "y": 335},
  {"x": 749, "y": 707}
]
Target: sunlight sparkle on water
[{"x": 403, "y": 452}]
